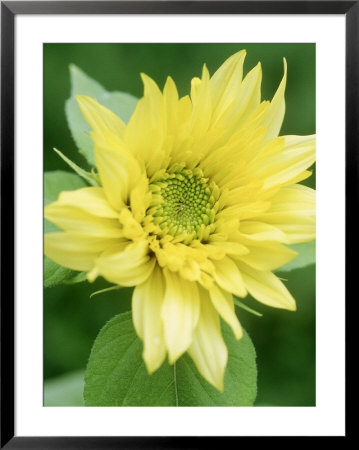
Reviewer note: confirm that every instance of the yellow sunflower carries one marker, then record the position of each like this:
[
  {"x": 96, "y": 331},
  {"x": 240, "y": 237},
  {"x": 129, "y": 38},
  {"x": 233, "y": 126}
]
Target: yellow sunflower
[{"x": 198, "y": 198}]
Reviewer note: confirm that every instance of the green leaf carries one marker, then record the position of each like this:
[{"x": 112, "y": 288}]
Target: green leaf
[
  {"x": 55, "y": 274},
  {"x": 79, "y": 278},
  {"x": 65, "y": 390},
  {"x": 242, "y": 305},
  {"x": 87, "y": 176},
  {"x": 306, "y": 257},
  {"x": 119, "y": 102},
  {"x": 103, "y": 291},
  {"x": 54, "y": 183},
  {"x": 116, "y": 374}
]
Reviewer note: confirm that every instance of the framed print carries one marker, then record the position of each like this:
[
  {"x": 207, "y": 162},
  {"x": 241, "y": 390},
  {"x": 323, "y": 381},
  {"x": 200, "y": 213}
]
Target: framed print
[{"x": 175, "y": 177}]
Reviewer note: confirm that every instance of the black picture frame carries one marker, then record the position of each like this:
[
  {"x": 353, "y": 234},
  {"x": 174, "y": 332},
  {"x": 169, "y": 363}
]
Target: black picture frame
[{"x": 9, "y": 10}]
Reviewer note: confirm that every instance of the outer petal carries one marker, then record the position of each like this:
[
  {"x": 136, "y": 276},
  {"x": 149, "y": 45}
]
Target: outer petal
[
  {"x": 102, "y": 120},
  {"x": 70, "y": 214},
  {"x": 235, "y": 118},
  {"x": 202, "y": 107},
  {"x": 267, "y": 255},
  {"x": 73, "y": 219},
  {"x": 230, "y": 247},
  {"x": 259, "y": 231},
  {"x": 147, "y": 303},
  {"x": 278, "y": 168},
  {"x": 248, "y": 100},
  {"x": 223, "y": 302},
  {"x": 208, "y": 350},
  {"x": 229, "y": 277},
  {"x": 119, "y": 171},
  {"x": 293, "y": 212},
  {"x": 140, "y": 198},
  {"x": 146, "y": 130},
  {"x": 266, "y": 288},
  {"x": 126, "y": 265},
  {"x": 180, "y": 314},
  {"x": 91, "y": 199},
  {"x": 274, "y": 116},
  {"x": 171, "y": 104},
  {"x": 75, "y": 251},
  {"x": 226, "y": 82},
  {"x": 297, "y": 197}
]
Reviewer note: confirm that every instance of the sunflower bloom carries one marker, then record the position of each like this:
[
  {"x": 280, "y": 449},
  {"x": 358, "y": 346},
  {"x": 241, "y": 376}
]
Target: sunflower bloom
[{"x": 198, "y": 198}]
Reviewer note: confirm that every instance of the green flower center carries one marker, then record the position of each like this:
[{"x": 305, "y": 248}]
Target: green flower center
[{"x": 184, "y": 203}]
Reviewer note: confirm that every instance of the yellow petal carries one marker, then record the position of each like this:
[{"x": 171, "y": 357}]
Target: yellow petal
[
  {"x": 229, "y": 277},
  {"x": 223, "y": 302},
  {"x": 126, "y": 265},
  {"x": 140, "y": 198},
  {"x": 147, "y": 303},
  {"x": 300, "y": 232},
  {"x": 132, "y": 230},
  {"x": 267, "y": 255},
  {"x": 208, "y": 350},
  {"x": 118, "y": 170},
  {"x": 71, "y": 215},
  {"x": 73, "y": 219},
  {"x": 195, "y": 84},
  {"x": 300, "y": 177},
  {"x": 102, "y": 120},
  {"x": 202, "y": 108},
  {"x": 184, "y": 109},
  {"x": 259, "y": 231},
  {"x": 91, "y": 199},
  {"x": 231, "y": 247},
  {"x": 146, "y": 130},
  {"x": 180, "y": 314},
  {"x": 293, "y": 212},
  {"x": 273, "y": 118},
  {"x": 226, "y": 82},
  {"x": 248, "y": 100},
  {"x": 297, "y": 198},
  {"x": 75, "y": 251},
  {"x": 296, "y": 156},
  {"x": 171, "y": 103},
  {"x": 250, "y": 95},
  {"x": 266, "y": 288}
]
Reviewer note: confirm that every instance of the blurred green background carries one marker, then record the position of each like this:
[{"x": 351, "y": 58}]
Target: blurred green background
[{"x": 284, "y": 341}]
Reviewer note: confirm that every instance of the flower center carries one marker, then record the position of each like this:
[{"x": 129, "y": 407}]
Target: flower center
[{"x": 184, "y": 203}]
